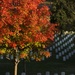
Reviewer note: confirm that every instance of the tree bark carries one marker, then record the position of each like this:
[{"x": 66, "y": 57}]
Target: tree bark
[
  {"x": 16, "y": 61},
  {"x": 15, "y": 68}
]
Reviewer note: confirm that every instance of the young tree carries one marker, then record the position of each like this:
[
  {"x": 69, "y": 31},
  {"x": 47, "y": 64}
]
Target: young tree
[{"x": 25, "y": 29}]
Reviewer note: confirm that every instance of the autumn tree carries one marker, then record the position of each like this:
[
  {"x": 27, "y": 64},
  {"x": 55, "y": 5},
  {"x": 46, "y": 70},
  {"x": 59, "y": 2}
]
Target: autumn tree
[{"x": 25, "y": 29}]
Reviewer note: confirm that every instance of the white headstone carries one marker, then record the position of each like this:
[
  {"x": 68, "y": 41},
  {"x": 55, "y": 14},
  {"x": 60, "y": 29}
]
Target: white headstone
[
  {"x": 50, "y": 48},
  {"x": 57, "y": 56},
  {"x": 63, "y": 53},
  {"x": 63, "y": 45},
  {"x": 65, "y": 50},
  {"x": 64, "y": 58},
  {"x": 62, "y": 73},
  {"x": 68, "y": 35},
  {"x": 55, "y": 35},
  {"x": 55, "y": 73},
  {"x": 60, "y": 41},
  {"x": 60, "y": 54},
  {"x": 70, "y": 40},
  {"x": 73, "y": 51},
  {"x": 69, "y": 47},
  {"x": 57, "y": 38},
  {"x": 59, "y": 48},
  {"x": 56, "y": 50},
  {"x": 53, "y": 47},
  {"x": 70, "y": 55},
  {"x": 72, "y": 44},
  {"x": 7, "y": 73},
  {"x": 64, "y": 39},
  {"x": 23, "y": 73},
  {"x": 62, "y": 35},
  {"x": 47, "y": 73},
  {"x": 12, "y": 57},
  {"x": 66, "y": 44},
  {"x": 67, "y": 57},
  {"x": 56, "y": 44},
  {"x": 38, "y": 73},
  {"x": 1, "y": 56},
  {"x": 43, "y": 58}
]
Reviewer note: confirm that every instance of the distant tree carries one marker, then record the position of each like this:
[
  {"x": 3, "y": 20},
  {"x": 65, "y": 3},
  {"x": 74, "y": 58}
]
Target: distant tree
[
  {"x": 25, "y": 30},
  {"x": 63, "y": 13}
]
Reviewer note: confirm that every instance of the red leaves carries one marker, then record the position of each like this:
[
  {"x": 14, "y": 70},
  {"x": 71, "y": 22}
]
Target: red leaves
[
  {"x": 23, "y": 55},
  {"x": 14, "y": 45},
  {"x": 45, "y": 53},
  {"x": 25, "y": 23},
  {"x": 1, "y": 40},
  {"x": 26, "y": 18},
  {"x": 40, "y": 37},
  {"x": 1, "y": 24}
]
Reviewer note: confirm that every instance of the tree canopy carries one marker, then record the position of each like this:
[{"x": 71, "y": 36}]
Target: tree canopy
[
  {"x": 63, "y": 12},
  {"x": 25, "y": 26}
]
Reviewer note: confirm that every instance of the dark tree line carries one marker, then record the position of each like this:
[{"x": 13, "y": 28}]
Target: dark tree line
[{"x": 63, "y": 13}]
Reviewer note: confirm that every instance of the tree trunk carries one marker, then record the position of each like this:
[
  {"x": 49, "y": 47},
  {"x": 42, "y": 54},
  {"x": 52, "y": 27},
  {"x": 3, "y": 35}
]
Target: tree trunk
[
  {"x": 15, "y": 68},
  {"x": 16, "y": 61}
]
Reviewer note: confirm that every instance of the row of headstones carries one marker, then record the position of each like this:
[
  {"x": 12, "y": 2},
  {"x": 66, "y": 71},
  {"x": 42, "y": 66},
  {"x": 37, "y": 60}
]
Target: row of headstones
[
  {"x": 47, "y": 73},
  {"x": 63, "y": 43},
  {"x": 66, "y": 56},
  {"x": 59, "y": 45},
  {"x": 64, "y": 35},
  {"x": 63, "y": 53},
  {"x": 64, "y": 38},
  {"x": 9, "y": 56},
  {"x": 8, "y": 73},
  {"x": 66, "y": 49}
]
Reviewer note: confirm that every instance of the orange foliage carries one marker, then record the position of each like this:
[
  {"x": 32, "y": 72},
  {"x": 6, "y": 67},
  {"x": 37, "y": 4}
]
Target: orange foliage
[
  {"x": 27, "y": 21},
  {"x": 38, "y": 59},
  {"x": 45, "y": 53},
  {"x": 23, "y": 55},
  {"x": 2, "y": 51}
]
